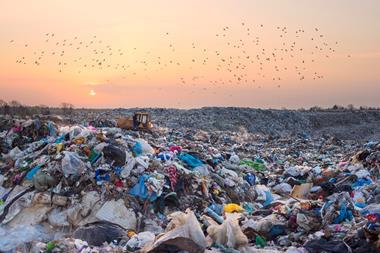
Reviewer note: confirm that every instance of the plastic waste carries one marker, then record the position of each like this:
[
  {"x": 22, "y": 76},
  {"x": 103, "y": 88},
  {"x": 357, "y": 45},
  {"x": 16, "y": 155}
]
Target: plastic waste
[
  {"x": 114, "y": 155},
  {"x": 264, "y": 194},
  {"x": 283, "y": 188},
  {"x": 142, "y": 147},
  {"x": 319, "y": 245},
  {"x": 260, "y": 241},
  {"x": 32, "y": 172},
  {"x": 13, "y": 237},
  {"x": 229, "y": 233},
  {"x": 118, "y": 213},
  {"x": 97, "y": 233},
  {"x": 140, "y": 240},
  {"x": 250, "y": 178},
  {"x": 42, "y": 181},
  {"x": 50, "y": 246},
  {"x": 301, "y": 191},
  {"x": 234, "y": 159},
  {"x": 72, "y": 164},
  {"x": 257, "y": 166},
  {"x": 183, "y": 232},
  {"x": 190, "y": 160},
  {"x": 213, "y": 215},
  {"x": 231, "y": 208},
  {"x": 58, "y": 218},
  {"x": 140, "y": 190}
]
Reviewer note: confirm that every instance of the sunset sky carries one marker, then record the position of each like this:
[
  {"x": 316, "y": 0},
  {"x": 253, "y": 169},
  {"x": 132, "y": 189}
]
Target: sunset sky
[{"x": 157, "y": 53}]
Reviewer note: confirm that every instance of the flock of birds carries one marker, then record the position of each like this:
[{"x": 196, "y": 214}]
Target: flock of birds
[{"x": 238, "y": 56}]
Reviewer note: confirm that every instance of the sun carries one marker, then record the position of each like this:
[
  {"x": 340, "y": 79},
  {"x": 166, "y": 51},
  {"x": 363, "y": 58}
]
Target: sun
[{"x": 92, "y": 93}]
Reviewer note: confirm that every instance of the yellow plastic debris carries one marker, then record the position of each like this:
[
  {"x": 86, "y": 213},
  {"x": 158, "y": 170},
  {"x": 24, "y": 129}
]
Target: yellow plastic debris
[
  {"x": 230, "y": 208},
  {"x": 131, "y": 233},
  {"x": 79, "y": 140},
  {"x": 59, "y": 147}
]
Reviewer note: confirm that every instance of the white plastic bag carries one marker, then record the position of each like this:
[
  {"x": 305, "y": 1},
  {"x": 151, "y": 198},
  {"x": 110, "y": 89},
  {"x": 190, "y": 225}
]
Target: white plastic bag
[
  {"x": 229, "y": 233},
  {"x": 141, "y": 240},
  {"x": 72, "y": 164},
  {"x": 182, "y": 225}
]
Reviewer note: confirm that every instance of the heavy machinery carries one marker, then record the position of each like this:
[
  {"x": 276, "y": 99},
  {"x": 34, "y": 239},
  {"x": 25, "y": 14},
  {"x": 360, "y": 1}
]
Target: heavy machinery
[{"x": 139, "y": 121}]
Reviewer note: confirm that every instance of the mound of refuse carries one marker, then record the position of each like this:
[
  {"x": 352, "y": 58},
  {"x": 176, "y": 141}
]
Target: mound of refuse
[{"x": 86, "y": 188}]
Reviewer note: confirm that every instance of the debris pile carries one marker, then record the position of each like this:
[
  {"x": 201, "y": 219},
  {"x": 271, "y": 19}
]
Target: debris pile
[{"x": 98, "y": 188}]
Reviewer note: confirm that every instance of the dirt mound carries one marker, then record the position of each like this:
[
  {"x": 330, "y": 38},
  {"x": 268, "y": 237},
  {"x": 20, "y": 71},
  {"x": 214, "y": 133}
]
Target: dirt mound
[{"x": 343, "y": 124}]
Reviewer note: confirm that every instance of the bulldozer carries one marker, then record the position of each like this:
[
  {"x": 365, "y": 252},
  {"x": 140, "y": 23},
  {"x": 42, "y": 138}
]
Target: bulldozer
[{"x": 139, "y": 121}]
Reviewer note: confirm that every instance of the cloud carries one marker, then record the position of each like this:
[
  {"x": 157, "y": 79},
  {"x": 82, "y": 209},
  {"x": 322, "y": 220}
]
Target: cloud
[{"x": 91, "y": 83}]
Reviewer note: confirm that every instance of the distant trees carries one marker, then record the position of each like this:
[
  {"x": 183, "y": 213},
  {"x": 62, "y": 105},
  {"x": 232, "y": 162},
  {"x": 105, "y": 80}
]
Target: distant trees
[
  {"x": 349, "y": 107},
  {"x": 315, "y": 109},
  {"x": 337, "y": 107},
  {"x": 67, "y": 108},
  {"x": 43, "y": 109},
  {"x": 16, "y": 108},
  {"x": 4, "y": 108}
]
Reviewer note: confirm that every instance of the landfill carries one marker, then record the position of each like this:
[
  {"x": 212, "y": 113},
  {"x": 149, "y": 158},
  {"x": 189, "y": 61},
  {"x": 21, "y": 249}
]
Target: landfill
[{"x": 90, "y": 186}]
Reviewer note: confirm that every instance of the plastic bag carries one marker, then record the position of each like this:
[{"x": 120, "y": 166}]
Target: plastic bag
[
  {"x": 190, "y": 160},
  {"x": 140, "y": 190},
  {"x": 42, "y": 181},
  {"x": 72, "y": 164},
  {"x": 264, "y": 194},
  {"x": 230, "y": 208},
  {"x": 32, "y": 172},
  {"x": 183, "y": 231},
  {"x": 118, "y": 213},
  {"x": 97, "y": 233},
  {"x": 142, "y": 148},
  {"x": 115, "y": 155},
  {"x": 283, "y": 188},
  {"x": 58, "y": 218},
  {"x": 141, "y": 240},
  {"x": 11, "y": 238},
  {"x": 229, "y": 233},
  {"x": 202, "y": 170},
  {"x": 234, "y": 159}
]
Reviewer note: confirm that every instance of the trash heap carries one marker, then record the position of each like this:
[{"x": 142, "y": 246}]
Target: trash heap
[{"x": 81, "y": 188}]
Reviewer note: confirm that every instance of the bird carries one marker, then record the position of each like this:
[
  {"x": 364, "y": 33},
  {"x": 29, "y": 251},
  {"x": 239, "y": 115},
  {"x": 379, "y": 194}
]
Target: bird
[{"x": 242, "y": 57}]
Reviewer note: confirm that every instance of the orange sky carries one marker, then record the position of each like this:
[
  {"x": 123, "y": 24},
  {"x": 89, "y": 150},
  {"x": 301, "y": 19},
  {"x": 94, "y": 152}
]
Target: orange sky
[{"x": 156, "y": 49}]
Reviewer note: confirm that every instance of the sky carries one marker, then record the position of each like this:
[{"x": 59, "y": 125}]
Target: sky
[{"x": 189, "y": 54}]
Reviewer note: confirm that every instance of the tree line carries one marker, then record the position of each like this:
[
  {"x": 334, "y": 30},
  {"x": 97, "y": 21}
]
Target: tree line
[{"x": 16, "y": 108}]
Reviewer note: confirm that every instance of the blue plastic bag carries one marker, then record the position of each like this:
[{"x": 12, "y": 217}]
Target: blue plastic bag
[
  {"x": 250, "y": 178},
  {"x": 343, "y": 214},
  {"x": 32, "y": 172},
  {"x": 361, "y": 182},
  {"x": 268, "y": 199},
  {"x": 137, "y": 149},
  {"x": 190, "y": 160},
  {"x": 141, "y": 191}
]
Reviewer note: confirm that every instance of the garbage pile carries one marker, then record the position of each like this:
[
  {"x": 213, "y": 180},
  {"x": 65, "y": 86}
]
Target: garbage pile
[{"x": 86, "y": 188}]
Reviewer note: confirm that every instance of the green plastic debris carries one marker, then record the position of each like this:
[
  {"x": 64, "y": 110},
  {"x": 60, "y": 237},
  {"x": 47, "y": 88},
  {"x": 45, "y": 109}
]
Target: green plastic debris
[
  {"x": 50, "y": 246},
  {"x": 254, "y": 165},
  {"x": 260, "y": 241}
]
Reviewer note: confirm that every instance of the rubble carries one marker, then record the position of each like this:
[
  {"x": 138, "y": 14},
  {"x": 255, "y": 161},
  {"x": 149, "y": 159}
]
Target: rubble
[{"x": 97, "y": 188}]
